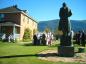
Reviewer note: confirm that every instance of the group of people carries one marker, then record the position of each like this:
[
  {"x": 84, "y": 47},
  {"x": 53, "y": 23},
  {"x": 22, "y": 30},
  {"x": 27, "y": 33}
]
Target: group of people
[
  {"x": 7, "y": 37},
  {"x": 43, "y": 39},
  {"x": 80, "y": 38}
]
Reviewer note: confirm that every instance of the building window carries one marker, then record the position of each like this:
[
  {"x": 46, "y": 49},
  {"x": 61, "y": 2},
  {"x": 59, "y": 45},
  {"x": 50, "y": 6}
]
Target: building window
[{"x": 2, "y": 16}]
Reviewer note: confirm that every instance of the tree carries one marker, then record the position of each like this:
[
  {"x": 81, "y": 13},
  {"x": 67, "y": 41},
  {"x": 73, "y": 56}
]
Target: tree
[
  {"x": 58, "y": 32},
  {"x": 34, "y": 31},
  {"x": 47, "y": 29},
  {"x": 27, "y": 34}
]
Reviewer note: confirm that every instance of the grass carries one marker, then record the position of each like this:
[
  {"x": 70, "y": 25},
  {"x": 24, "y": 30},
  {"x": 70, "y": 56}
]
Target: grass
[{"x": 14, "y": 53}]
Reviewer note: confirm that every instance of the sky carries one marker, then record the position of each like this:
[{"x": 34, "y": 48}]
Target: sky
[{"x": 43, "y": 10}]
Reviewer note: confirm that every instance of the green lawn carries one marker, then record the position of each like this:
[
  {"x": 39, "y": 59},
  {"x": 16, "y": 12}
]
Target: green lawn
[{"x": 14, "y": 53}]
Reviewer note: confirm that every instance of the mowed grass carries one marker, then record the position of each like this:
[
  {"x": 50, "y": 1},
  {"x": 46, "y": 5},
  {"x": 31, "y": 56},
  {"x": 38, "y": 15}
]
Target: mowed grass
[{"x": 13, "y": 53}]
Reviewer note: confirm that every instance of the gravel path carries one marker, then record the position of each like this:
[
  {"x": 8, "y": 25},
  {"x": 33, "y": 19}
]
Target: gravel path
[{"x": 51, "y": 55}]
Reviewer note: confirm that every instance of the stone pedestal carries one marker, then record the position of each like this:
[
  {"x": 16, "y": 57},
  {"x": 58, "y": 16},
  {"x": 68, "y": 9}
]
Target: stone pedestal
[{"x": 66, "y": 51}]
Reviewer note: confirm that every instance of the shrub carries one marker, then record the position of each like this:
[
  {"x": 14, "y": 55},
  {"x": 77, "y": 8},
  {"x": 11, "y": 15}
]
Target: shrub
[{"x": 27, "y": 34}]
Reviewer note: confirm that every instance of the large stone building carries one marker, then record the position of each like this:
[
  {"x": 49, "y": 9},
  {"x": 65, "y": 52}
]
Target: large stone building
[{"x": 14, "y": 22}]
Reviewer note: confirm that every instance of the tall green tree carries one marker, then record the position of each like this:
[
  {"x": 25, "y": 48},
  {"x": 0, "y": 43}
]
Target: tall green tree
[{"x": 27, "y": 34}]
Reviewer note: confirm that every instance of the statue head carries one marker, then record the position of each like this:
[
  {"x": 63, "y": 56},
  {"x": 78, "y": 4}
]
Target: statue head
[{"x": 64, "y": 4}]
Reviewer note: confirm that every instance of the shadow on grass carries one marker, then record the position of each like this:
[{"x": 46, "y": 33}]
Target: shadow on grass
[
  {"x": 14, "y": 56},
  {"x": 48, "y": 55},
  {"x": 34, "y": 55},
  {"x": 28, "y": 44},
  {"x": 54, "y": 55},
  {"x": 30, "y": 55},
  {"x": 31, "y": 44}
]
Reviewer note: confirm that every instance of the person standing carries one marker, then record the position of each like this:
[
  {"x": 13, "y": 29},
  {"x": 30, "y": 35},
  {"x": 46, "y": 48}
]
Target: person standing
[
  {"x": 43, "y": 41},
  {"x": 34, "y": 40},
  {"x": 83, "y": 38}
]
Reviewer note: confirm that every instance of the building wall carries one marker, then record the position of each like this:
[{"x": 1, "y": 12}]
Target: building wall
[
  {"x": 27, "y": 22},
  {"x": 32, "y": 25},
  {"x": 14, "y": 17}
]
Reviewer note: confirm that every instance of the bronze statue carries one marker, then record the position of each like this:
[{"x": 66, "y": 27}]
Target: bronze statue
[{"x": 64, "y": 26}]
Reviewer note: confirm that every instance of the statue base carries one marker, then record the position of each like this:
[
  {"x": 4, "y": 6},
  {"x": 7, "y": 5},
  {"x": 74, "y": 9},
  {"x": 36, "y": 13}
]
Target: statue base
[{"x": 66, "y": 51}]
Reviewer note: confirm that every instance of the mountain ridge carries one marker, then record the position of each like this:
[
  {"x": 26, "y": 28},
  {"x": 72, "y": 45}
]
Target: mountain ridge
[{"x": 77, "y": 25}]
